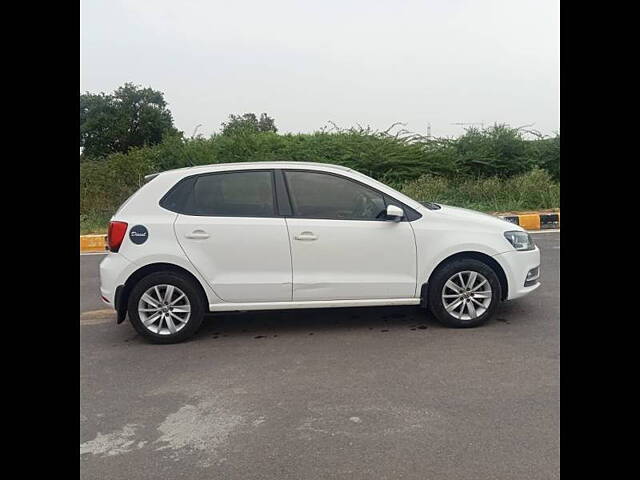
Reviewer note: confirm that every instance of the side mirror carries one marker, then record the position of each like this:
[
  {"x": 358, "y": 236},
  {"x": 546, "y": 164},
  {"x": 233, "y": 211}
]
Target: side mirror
[{"x": 394, "y": 213}]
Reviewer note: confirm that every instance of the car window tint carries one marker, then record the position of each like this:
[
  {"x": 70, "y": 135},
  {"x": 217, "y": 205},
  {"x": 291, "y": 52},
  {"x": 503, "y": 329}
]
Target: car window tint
[
  {"x": 319, "y": 195},
  {"x": 176, "y": 199},
  {"x": 233, "y": 194}
]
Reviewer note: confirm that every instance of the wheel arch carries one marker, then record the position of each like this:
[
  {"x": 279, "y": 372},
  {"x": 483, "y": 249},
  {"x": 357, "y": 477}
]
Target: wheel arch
[
  {"x": 123, "y": 292},
  {"x": 482, "y": 257}
]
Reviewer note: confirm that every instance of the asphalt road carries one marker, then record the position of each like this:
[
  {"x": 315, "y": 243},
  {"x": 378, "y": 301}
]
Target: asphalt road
[
  {"x": 362, "y": 393},
  {"x": 90, "y": 283}
]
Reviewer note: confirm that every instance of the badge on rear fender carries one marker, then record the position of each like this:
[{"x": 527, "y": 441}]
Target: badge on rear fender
[{"x": 138, "y": 234}]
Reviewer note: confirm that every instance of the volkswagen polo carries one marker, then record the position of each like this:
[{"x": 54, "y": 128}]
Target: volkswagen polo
[{"x": 282, "y": 235}]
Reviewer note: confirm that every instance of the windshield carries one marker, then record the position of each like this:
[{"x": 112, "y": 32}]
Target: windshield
[{"x": 396, "y": 194}]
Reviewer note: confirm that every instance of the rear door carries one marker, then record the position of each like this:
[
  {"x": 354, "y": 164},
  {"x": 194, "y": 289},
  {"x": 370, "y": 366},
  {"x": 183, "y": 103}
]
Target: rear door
[
  {"x": 231, "y": 232},
  {"x": 342, "y": 246}
]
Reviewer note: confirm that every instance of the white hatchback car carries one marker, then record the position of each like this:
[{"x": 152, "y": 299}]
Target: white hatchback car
[{"x": 279, "y": 235}]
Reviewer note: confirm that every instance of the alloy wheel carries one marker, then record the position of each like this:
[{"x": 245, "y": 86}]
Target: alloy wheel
[
  {"x": 164, "y": 309},
  {"x": 466, "y": 295}
]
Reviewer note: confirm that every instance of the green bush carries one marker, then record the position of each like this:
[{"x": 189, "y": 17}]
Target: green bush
[
  {"x": 478, "y": 169},
  {"x": 548, "y": 155},
  {"x": 498, "y": 151},
  {"x": 534, "y": 190},
  {"x": 94, "y": 222},
  {"x": 106, "y": 184}
]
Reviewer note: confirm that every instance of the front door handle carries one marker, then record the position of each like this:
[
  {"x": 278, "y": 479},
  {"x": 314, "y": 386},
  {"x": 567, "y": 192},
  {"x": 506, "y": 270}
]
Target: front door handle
[
  {"x": 197, "y": 234},
  {"x": 308, "y": 236}
]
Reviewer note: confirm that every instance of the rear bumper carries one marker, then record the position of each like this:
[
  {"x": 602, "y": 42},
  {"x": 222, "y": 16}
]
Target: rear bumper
[
  {"x": 516, "y": 266},
  {"x": 113, "y": 269}
]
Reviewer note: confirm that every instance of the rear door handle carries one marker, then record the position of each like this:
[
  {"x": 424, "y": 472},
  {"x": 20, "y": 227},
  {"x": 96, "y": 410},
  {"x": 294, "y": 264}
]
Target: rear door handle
[
  {"x": 308, "y": 236},
  {"x": 197, "y": 234}
]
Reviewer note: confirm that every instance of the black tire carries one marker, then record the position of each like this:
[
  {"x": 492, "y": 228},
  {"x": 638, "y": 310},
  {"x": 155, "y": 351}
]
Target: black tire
[
  {"x": 444, "y": 273},
  {"x": 185, "y": 284}
]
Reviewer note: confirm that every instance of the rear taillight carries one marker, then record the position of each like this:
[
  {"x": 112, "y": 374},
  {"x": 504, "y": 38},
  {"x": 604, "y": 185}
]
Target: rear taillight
[{"x": 116, "y": 235}]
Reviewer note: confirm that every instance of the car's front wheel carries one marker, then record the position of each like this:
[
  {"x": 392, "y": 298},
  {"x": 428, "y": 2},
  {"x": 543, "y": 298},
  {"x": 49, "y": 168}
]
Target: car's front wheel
[
  {"x": 166, "y": 307},
  {"x": 464, "y": 293}
]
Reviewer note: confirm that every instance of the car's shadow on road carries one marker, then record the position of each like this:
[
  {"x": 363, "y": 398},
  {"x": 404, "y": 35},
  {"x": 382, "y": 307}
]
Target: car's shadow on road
[
  {"x": 260, "y": 324},
  {"x": 310, "y": 321},
  {"x": 281, "y": 323}
]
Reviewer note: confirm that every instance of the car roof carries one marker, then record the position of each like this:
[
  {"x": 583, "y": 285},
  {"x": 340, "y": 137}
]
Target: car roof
[{"x": 281, "y": 164}]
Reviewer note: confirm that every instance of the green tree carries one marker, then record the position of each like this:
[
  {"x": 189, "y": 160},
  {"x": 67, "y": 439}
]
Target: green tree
[
  {"x": 248, "y": 123},
  {"x": 130, "y": 117},
  {"x": 549, "y": 155}
]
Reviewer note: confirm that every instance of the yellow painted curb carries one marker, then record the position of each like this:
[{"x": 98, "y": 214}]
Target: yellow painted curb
[
  {"x": 534, "y": 220},
  {"x": 530, "y": 222},
  {"x": 93, "y": 243},
  {"x": 96, "y": 317}
]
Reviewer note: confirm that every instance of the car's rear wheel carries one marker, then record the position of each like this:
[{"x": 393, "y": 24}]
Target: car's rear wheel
[
  {"x": 464, "y": 293},
  {"x": 166, "y": 307}
]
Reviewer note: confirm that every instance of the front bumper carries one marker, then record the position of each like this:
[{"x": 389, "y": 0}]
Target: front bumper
[{"x": 516, "y": 266}]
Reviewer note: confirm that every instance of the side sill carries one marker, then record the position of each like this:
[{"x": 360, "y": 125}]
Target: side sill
[{"x": 230, "y": 307}]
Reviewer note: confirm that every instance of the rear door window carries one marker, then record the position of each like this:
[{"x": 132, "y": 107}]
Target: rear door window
[{"x": 225, "y": 194}]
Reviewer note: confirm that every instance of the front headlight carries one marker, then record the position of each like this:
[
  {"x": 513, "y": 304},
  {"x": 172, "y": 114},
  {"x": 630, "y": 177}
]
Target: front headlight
[{"x": 520, "y": 240}]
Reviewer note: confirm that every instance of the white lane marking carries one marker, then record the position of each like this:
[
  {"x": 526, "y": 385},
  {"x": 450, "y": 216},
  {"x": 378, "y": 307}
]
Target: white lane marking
[{"x": 93, "y": 253}]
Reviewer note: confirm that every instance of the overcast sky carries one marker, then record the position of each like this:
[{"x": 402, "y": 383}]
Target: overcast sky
[{"x": 349, "y": 61}]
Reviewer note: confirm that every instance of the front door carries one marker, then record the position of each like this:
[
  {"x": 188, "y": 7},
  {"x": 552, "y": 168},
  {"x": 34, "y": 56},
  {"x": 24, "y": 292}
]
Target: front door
[{"x": 342, "y": 246}]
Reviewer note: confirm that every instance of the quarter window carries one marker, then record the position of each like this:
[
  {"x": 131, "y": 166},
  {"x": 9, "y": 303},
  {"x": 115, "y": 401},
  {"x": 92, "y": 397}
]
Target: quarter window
[
  {"x": 233, "y": 194},
  {"x": 319, "y": 195}
]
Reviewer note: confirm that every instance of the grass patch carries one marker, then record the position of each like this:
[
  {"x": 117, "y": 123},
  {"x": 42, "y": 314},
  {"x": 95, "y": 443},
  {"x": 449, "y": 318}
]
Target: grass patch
[
  {"x": 534, "y": 190},
  {"x": 94, "y": 222}
]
